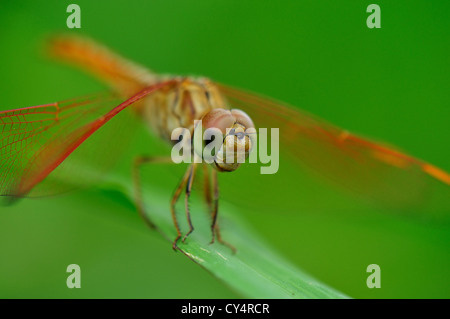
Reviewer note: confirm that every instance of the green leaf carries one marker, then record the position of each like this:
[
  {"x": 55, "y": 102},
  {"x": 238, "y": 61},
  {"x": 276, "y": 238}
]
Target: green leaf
[{"x": 254, "y": 271}]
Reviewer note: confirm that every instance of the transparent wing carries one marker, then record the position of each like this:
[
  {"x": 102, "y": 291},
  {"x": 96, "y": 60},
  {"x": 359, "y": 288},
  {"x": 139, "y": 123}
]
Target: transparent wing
[
  {"x": 39, "y": 140},
  {"x": 373, "y": 170}
]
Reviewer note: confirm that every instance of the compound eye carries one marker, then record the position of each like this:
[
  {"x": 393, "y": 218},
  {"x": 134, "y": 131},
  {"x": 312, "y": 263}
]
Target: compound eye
[
  {"x": 219, "y": 118},
  {"x": 242, "y": 118}
]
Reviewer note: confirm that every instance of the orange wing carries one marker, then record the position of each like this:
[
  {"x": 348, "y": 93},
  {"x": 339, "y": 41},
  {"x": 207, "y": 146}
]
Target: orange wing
[
  {"x": 124, "y": 76},
  {"x": 35, "y": 141},
  {"x": 372, "y": 169}
]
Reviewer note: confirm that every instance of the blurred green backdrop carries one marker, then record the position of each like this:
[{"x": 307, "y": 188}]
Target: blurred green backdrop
[{"x": 390, "y": 83}]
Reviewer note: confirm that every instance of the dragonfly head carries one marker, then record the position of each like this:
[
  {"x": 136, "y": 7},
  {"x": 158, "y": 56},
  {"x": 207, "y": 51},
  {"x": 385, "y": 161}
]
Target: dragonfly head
[{"x": 237, "y": 138}]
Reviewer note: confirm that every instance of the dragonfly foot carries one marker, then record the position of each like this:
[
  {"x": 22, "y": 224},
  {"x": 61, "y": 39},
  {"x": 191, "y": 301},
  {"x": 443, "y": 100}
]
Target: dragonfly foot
[
  {"x": 174, "y": 245},
  {"x": 188, "y": 233}
]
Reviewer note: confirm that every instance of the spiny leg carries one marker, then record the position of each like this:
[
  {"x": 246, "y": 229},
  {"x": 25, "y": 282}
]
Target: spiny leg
[
  {"x": 207, "y": 187},
  {"x": 138, "y": 162},
  {"x": 192, "y": 170},
  {"x": 175, "y": 197},
  {"x": 213, "y": 204}
]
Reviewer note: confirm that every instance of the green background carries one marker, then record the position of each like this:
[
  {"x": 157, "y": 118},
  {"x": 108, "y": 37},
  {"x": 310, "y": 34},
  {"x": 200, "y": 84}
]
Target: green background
[{"x": 390, "y": 83}]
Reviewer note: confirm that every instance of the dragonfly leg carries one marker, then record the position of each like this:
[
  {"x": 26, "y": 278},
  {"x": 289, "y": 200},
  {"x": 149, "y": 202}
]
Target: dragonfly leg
[
  {"x": 138, "y": 162},
  {"x": 192, "y": 170},
  {"x": 213, "y": 204},
  {"x": 175, "y": 197},
  {"x": 207, "y": 187}
]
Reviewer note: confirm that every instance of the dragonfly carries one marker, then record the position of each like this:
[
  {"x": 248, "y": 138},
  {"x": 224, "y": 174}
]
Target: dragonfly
[{"x": 39, "y": 143}]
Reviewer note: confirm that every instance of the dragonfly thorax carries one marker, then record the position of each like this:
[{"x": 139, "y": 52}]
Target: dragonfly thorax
[{"x": 180, "y": 105}]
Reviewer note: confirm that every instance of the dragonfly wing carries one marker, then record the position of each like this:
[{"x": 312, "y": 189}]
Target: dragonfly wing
[
  {"x": 122, "y": 75},
  {"x": 53, "y": 138},
  {"x": 374, "y": 170}
]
